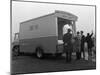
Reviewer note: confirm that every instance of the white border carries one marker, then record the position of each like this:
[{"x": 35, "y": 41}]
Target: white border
[{"x": 5, "y": 37}]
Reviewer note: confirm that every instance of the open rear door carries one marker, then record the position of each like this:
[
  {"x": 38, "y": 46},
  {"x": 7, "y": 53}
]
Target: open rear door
[{"x": 64, "y": 18}]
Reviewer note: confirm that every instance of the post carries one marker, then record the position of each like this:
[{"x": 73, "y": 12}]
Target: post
[{"x": 74, "y": 28}]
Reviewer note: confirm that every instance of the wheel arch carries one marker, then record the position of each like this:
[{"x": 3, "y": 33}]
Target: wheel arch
[
  {"x": 15, "y": 47},
  {"x": 39, "y": 47}
]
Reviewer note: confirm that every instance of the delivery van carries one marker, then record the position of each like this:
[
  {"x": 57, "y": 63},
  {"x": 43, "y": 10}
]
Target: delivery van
[{"x": 44, "y": 34}]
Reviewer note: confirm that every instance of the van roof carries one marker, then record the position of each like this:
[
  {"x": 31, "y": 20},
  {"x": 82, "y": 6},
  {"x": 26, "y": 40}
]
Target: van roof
[{"x": 56, "y": 12}]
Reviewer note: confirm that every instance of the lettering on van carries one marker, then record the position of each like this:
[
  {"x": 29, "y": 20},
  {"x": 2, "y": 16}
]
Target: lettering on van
[
  {"x": 33, "y": 27},
  {"x": 69, "y": 17}
]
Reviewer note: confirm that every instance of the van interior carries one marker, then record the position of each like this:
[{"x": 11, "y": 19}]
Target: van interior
[{"x": 61, "y": 23}]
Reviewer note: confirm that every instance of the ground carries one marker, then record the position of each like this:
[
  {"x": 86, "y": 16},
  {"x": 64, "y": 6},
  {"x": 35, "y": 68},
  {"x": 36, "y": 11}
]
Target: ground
[{"x": 31, "y": 64}]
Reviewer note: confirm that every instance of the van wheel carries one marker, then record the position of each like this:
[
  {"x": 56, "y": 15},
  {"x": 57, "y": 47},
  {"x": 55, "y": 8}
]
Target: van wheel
[
  {"x": 16, "y": 51},
  {"x": 39, "y": 53}
]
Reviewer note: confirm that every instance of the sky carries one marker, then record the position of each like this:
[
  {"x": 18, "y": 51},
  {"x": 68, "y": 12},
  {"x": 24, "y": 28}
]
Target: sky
[{"x": 22, "y": 11}]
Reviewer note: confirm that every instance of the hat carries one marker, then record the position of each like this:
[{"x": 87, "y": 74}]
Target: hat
[
  {"x": 69, "y": 30},
  {"x": 81, "y": 31}
]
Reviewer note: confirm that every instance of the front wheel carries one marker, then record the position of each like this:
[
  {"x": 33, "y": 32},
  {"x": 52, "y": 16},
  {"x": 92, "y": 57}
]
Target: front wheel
[
  {"x": 15, "y": 51},
  {"x": 39, "y": 53}
]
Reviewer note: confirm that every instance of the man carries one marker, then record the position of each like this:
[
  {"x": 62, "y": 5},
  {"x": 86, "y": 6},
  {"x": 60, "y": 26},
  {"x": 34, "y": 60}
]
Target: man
[
  {"x": 89, "y": 43},
  {"x": 77, "y": 45},
  {"x": 66, "y": 27},
  {"x": 67, "y": 38},
  {"x": 82, "y": 45}
]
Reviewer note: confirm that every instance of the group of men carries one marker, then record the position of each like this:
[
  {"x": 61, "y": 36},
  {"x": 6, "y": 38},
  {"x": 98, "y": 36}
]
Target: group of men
[{"x": 76, "y": 44}]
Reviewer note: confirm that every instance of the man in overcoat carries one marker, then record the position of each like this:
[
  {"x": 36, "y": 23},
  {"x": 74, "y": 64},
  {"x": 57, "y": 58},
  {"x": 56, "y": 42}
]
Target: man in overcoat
[{"x": 67, "y": 39}]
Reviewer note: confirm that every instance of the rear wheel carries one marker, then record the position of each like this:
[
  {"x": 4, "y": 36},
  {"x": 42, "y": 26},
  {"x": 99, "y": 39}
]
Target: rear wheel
[{"x": 39, "y": 53}]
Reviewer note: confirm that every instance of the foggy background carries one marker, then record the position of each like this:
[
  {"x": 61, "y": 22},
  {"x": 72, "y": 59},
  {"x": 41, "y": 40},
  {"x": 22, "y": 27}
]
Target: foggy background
[{"x": 22, "y": 11}]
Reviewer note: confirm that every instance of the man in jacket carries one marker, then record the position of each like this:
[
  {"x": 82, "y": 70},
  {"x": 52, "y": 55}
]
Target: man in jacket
[
  {"x": 89, "y": 43},
  {"x": 82, "y": 44},
  {"x": 67, "y": 38},
  {"x": 77, "y": 45}
]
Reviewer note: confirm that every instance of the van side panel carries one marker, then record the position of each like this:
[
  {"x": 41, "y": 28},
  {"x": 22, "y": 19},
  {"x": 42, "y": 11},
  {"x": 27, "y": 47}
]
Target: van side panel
[
  {"x": 39, "y": 32},
  {"x": 42, "y": 27},
  {"x": 48, "y": 44}
]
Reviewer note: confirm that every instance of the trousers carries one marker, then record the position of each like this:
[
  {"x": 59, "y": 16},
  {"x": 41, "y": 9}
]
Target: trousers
[{"x": 68, "y": 56}]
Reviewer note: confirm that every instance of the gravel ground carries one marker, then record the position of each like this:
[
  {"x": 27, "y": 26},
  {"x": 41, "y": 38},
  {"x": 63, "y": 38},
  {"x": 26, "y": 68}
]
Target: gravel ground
[{"x": 30, "y": 64}]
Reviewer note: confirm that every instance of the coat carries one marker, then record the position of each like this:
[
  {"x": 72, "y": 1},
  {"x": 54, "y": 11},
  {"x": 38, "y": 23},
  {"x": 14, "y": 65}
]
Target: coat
[
  {"x": 77, "y": 44},
  {"x": 67, "y": 38}
]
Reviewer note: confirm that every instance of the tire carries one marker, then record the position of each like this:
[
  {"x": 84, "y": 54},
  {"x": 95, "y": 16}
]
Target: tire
[
  {"x": 39, "y": 53},
  {"x": 16, "y": 51}
]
